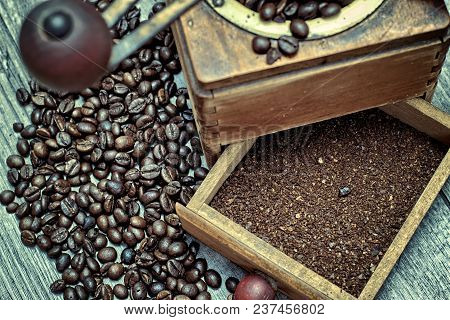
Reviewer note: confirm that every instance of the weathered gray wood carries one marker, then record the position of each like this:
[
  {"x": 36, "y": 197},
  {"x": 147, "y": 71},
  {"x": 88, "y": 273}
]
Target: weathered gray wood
[{"x": 25, "y": 273}]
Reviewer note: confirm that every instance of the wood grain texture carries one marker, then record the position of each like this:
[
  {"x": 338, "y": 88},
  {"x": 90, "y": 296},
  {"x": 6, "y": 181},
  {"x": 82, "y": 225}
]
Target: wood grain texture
[
  {"x": 230, "y": 60},
  {"x": 421, "y": 273}
]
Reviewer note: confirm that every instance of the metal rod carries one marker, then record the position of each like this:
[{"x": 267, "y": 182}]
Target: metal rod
[
  {"x": 148, "y": 30},
  {"x": 116, "y": 10}
]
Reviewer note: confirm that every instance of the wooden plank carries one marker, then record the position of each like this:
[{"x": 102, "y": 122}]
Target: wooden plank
[
  {"x": 407, "y": 230},
  {"x": 421, "y": 273},
  {"x": 299, "y": 98},
  {"x": 252, "y": 253},
  {"x": 395, "y": 22},
  {"x": 219, "y": 173},
  {"x": 421, "y": 115}
]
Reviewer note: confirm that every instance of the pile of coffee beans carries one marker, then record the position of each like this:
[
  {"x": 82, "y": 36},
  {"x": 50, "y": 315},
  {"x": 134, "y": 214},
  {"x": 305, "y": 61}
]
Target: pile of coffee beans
[
  {"x": 97, "y": 174},
  {"x": 298, "y": 12}
]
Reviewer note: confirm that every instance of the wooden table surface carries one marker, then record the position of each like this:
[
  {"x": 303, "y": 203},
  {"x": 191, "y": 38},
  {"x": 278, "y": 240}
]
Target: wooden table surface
[{"x": 422, "y": 272}]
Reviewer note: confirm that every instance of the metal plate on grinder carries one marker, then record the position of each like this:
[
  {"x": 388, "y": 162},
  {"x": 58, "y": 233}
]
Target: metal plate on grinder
[{"x": 249, "y": 20}]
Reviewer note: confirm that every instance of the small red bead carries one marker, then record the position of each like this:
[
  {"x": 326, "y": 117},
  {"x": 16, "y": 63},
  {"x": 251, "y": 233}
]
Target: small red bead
[{"x": 254, "y": 287}]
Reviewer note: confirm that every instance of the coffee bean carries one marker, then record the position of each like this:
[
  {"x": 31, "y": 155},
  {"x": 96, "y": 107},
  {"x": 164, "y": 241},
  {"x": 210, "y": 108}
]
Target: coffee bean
[
  {"x": 273, "y": 55},
  {"x": 70, "y": 294},
  {"x": 59, "y": 235},
  {"x": 260, "y": 44},
  {"x": 23, "y": 147},
  {"x": 26, "y": 172},
  {"x": 177, "y": 248},
  {"x": 156, "y": 287},
  {"x": 193, "y": 275},
  {"x": 175, "y": 268},
  {"x": 18, "y": 126},
  {"x": 139, "y": 291},
  {"x": 23, "y": 96},
  {"x": 205, "y": 295},
  {"x": 120, "y": 291},
  {"x": 124, "y": 143},
  {"x": 78, "y": 261},
  {"x": 7, "y": 197},
  {"x": 62, "y": 262},
  {"x": 213, "y": 279},
  {"x": 299, "y": 28},
  {"x": 331, "y": 9},
  {"x": 308, "y": 10},
  {"x": 69, "y": 207},
  {"x": 115, "y": 271},
  {"x": 107, "y": 254},
  {"x": 267, "y": 11},
  {"x": 231, "y": 284},
  {"x": 58, "y": 286},
  {"x": 288, "y": 45},
  {"x": 189, "y": 290},
  {"x": 172, "y": 131},
  {"x": 28, "y": 238},
  {"x": 70, "y": 276},
  {"x": 128, "y": 256},
  {"x": 15, "y": 161},
  {"x": 116, "y": 188},
  {"x": 159, "y": 228}
]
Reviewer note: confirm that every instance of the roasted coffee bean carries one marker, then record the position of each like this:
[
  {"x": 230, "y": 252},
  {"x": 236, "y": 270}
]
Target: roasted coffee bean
[
  {"x": 116, "y": 188},
  {"x": 23, "y": 147},
  {"x": 260, "y": 44},
  {"x": 28, "y": 238},
  {"x": 189, "y": 290},
  {"x": 201, "y": 285},
  {"x": 7, "y": 197},
  {"x": 120, "y": 291},
  {"x": 62, "y": 262},
  {"x": 201, "y": 265},
  {"x": 308, "y": 10},
  {"x": 288, "y": 45},
  {"x": 23, "y": 96},
  {"x": 213, "y": 279},
  {"x": 128, "y": 256},
  {"x": 192, "y": 275},
  {"x": 59, "y": 235},
  {"x": 114, "y": 235},
  {"x": 78, "y": 261},
  {"x": 177, "y": 248},
  {"x": 58, "y": 286},
  {"x": 175, "y": 268},
  {"x": 204, "y": 295},
  {"x": 330, "y": 9},
  {"x": 124, "y": 143},
  {"x": 69, "y": 207},
  {"x": 151, "y": 171},
  {"x": 156, "y": 287},
  {"x": 70, "y": 276},
  {"x": 231, "y": 284},
  {"x": 107, "y": 254},
  {"x": 172, "y": 131},
  {"x": 18, "y": 126},
  {"x": 15, "y": 161},
  {"x": 273, "y": 55},
  {"x": 267, "y": 11},
  {"x": 26, "y": 172},
  {"x": 139, "y": 291},
  {"x": 92, "y": 264},
  {"x": 115, "y": 271},
  {"x": 299, "y": 28}
]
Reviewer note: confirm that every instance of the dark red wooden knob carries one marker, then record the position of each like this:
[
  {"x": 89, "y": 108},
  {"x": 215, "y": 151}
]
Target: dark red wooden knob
[{"x": 65, "y": 44}]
